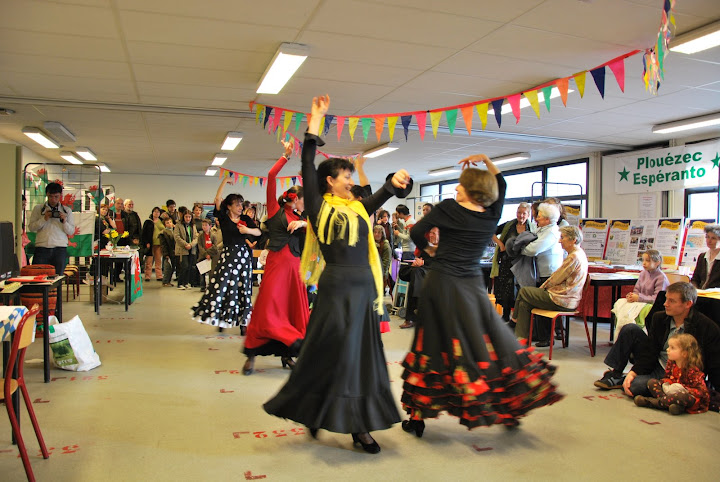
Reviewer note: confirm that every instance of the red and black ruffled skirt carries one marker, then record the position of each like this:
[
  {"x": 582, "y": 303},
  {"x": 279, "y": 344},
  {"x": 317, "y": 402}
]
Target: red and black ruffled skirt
[{"x": 464, "y": 360}]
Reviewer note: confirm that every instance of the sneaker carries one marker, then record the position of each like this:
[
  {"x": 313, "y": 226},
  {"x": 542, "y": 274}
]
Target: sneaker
[
  {"x": 181, "y": 287},
  {"x": 611, "y": 379},
  {"x": 168, "y": 284},
  {"x": 188, "y": 286},
  {"x": 676, "y": 409}
]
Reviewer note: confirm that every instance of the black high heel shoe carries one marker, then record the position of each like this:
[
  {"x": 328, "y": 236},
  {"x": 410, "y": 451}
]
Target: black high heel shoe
[
  {"x": 313, "y": 432},
  {"x": 417, "y": 426},
  {"x": 287, "y": 362},
  {"x": 371, "y": 448},
  {"x": 249, "y": 366}
]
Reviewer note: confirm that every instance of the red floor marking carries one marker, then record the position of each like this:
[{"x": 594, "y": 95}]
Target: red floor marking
[
  {"x": 213, "y": 349},
  {"x": 589, "y": 397},
  {"x": 250, "y": 476},
  {"x": 237, "y": 434},
  {"x": 222, "y": 390},
  {"x": 649, "y": 423},
  {"x": 40, "y": 400},
  {"x": 481, "y": 449}
]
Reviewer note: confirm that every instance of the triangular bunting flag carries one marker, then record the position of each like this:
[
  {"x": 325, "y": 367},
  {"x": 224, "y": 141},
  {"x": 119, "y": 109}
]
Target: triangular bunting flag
[
  {"x": 379, "y": 125},
  {"x": 322, "y": 127},
  {"x": 514, "y": 101},
  {"x": 298, "y": 119},
  {"x": 532, "y": 97},
  {"x": 258, "y": 110},
  {"x": 340, "y": 122},
  {"x": 562, "y": 85},
  {"x": 618, "y": 68},
  {"x": 278, "y": 116},
  {"x": 405, "y": 121},
  {"x": 366, "y": 121},
  {"x": 288, "y": 121},
  {"x": 599, "y": 78},
  {"x": 435, "y": 121},
  {"x": 482, "y": 110},
  {"x": 421, "y": 118},
  {"x": 328, "y": 122},
  {"x": 268, "y": 110},
  {"x": 261, "y": 182},
  {"x": 547, "y": 93},
  {"x": 353, "y": 125},
  {"x": 580, "y": 82},
  {"x": 451, "y": 116},
  {"x": 497, "y": 110},
  {"x": 392, "y": 121},
  {"x": 251, "y": 105},
  {"x": 467, "y": 114}
]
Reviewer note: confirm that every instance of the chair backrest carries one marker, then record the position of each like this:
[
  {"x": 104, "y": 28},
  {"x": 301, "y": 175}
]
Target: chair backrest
[
  {"x": 21, "y": 340},
  {"x": 585, "y": 296},
  {"x": 676, "y": 278}
]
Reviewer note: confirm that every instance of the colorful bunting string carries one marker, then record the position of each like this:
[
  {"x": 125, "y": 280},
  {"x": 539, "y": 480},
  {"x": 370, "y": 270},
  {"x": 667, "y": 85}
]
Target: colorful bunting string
[{"x": 654, "y": 57}]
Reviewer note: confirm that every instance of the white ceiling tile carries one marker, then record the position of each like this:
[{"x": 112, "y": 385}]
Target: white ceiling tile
[
  {"x": 50, "y": 17},
  {"x": 67, "y": 45}
]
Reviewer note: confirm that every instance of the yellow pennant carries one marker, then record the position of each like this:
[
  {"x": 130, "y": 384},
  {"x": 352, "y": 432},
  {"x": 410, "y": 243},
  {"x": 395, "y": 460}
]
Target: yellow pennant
[
  {"x": 322, "y": 126},
  {"x": 352, "y": 125},
  {"x": 258, "y": 108},
  {"x": 435, "y": 121},
  {"x": 391, "y": 126},
  {"x": 482, "y": 110},
  {"x": 580, "y": 82},
  {"x": 532, "y": 97},
  {"x": 288, "y": 121}
]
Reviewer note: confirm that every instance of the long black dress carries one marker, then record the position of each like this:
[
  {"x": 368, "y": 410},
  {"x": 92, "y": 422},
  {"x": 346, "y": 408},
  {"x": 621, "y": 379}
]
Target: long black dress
[
  {"x": 340, "y": 382},
  {"x": 464, "y": 359}
]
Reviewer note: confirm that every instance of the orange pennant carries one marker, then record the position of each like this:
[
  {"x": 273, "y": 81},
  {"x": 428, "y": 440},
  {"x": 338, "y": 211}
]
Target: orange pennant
[
  {"x": 562, "y": 85},
  {"x": 379, "y": 125},
  {"x": 467, "y": 113}
]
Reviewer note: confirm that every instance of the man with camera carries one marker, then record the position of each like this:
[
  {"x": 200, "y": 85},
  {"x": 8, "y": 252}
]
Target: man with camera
[{"x": 53, "y": 223}]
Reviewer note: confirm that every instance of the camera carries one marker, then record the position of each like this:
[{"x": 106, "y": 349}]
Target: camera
[{"x": 55, "y": 213}]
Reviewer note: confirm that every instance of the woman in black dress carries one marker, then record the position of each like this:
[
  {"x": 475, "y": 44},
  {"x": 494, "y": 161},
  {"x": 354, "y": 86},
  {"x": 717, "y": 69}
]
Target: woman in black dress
[
  {"x": 340, "y": 382},
  {"x": 227, "y": 299},
  {"x": 463, "y": 359}
]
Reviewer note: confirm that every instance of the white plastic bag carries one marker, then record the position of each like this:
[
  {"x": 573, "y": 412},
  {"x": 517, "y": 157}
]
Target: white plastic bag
[{"x": 71, "y": 346}]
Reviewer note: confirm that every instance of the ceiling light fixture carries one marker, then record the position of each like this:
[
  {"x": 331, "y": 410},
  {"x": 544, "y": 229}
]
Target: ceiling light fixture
[
  {"x": 506, "y": 108},
  {"x": 697, "y": 40},
  {"x": 232, "y": 139},
  {"x": 288, "y": 58},
  {"x": 103, "y": 167},
  {"x": 381, "y": 149},
  {"x": 219, "y": 159},
  {"x": 518, "y": 156},
  {"x": 86, "y": 153},
  {"x": 443, "y": 170},
  {"x": 59, "y": 131},
  {"x": 40, "y": 137},
  {"x": 211, "y": 171},
  {"x": 70, "y": 157},
  {"x": 687, "y": 124}
]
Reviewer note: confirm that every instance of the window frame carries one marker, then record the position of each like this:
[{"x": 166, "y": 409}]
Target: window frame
[{"x": 698, "y": 190}]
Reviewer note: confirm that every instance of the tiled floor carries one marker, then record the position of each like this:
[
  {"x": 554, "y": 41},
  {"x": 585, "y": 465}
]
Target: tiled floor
[{"x": 169, "y": 403}]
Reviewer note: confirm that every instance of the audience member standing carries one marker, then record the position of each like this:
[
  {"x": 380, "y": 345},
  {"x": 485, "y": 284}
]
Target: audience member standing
[
  {"x": 152, "y": 227},
  {"x": 186, "y": 238},
  {"x": 53, "y": 223}
]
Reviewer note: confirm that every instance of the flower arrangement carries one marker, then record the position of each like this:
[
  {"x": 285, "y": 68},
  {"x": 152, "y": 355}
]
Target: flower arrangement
[{"x": 113, "y": 236}]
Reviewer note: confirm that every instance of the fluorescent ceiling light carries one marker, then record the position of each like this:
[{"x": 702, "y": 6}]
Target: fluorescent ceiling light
[
  {"x": 697, "y": 40},
  {"x": 219, "y": 159},
  {"x": 86, "y": 153},
  {"x": 286, "y": 61},
  {"x": 443, "y": 170},
  {"x": 687, "y": 124},
  {"x": 232, "y": 139},
  {"x": 211, "y": 171},
  {"x": 40, "y": 137},
  {"x": 381, "y": 149},
  {"x": 506, "y": 108},
  {"x": 103, "y": 167},
  {"x": 518, "y": 156},
  {"x": 70, "y": 157},
  {"x": 59, "y": 131}
]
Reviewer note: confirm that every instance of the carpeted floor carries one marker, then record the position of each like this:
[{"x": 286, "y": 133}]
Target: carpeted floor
[{"x": 170, "y": 403}]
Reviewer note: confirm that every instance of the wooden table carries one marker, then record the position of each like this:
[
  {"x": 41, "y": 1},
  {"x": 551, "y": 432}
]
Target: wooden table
[{"x": 615, "y": 281}]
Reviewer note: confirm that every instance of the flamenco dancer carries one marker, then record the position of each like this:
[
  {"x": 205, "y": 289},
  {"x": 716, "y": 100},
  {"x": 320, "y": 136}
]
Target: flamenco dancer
[
  {"x": 280, "y": 316},
  {"x": 227, "y": 299},
  {"x": 340, "y": 382},
  {"x": 463, "y": 359}
]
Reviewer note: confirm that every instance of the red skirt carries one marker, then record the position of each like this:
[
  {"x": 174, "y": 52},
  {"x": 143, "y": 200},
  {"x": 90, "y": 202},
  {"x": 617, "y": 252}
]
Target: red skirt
[{"x": 280, "y": 312}]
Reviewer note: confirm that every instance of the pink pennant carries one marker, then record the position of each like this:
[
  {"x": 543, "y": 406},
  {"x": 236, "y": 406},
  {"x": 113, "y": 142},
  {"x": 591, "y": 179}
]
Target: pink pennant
[
  {"x": 421, "y": 118},
  {"x": 278, "y": 116},
  {"x": 618, "y": 68},
  {"x": 514, "y": 101},
  {"x": 340, "y": 121}
]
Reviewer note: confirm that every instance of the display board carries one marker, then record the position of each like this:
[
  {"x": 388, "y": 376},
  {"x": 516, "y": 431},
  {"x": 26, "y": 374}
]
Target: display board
[
  {"x": 694, "y": 242},
  {"x": 595, "y": 232},
  {"x": 628, "y": 239}
]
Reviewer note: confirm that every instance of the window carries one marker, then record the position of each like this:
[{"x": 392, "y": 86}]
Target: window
[
  {"x": 701, "y": 203},
  {"x": 448, "y": 191},
  {"x": 519, "y": 186}
]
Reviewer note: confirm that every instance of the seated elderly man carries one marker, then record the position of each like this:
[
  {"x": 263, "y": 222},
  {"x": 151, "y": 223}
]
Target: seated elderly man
[
  {"x": 650, "y": 351},
  {"x": 561, "y": 291}
]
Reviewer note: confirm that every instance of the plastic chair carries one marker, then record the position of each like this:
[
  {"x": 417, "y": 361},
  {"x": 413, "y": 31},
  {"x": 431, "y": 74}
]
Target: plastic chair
[
  {"x": 22, "y": 339},
  {"x": 565, "y": 330},
  {"x": 259, "y": 271}
]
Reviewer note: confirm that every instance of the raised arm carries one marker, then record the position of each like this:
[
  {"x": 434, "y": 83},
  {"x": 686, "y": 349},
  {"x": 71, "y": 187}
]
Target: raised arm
[
  {"x": 399, "y": 185},
  {"x": 272, "y": 202},
  {"x": 218, "y": 195},
  {"x": 362, "y": 178},
  {"x": 311, "y": 189}
]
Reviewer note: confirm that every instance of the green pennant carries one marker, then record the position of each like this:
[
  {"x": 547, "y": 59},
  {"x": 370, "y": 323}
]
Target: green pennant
[
  {"x": 298, "y": 119},
  {"x": 547, "y": 91},
  {"x": 366, "y": 122},
  {"x": 451, "y": 116}
]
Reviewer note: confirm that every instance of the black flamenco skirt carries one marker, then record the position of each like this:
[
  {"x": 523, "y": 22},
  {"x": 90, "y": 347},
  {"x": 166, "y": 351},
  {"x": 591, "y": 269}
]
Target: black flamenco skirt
[
  {"x": 464, "y": 360},
  {"x": 227, "y": 301},
  {"x": 340, "y": 382}
]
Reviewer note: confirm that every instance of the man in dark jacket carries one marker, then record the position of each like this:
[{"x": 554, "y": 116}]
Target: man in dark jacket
[{"x": 649, "y": 351}]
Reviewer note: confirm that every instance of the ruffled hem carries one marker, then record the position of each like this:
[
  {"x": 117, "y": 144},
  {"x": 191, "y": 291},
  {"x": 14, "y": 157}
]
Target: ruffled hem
[
  {"x": 216, "y": 322},
  {"x": 484, "y": 401},
  {"x": 275, "y": 348}
]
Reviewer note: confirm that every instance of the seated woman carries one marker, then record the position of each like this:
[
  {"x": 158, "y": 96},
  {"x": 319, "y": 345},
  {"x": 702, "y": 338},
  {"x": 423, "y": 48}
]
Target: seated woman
[
  {"x": 637, "y": 304},
  {"x": 562, "y": 291},
  {"x": 707, "y": 272}
]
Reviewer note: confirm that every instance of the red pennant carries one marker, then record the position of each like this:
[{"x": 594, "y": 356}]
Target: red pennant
[
  {"x": 514, "y": 101},
  {"x": 340, "y": 124},
  {"x": 618, "y": 68},
  {"x": 278, "y": 115},
  {"x": 562, "y": 85},
  {"x": 421, "y": 118},
  {"x": 252, "y": 104}
]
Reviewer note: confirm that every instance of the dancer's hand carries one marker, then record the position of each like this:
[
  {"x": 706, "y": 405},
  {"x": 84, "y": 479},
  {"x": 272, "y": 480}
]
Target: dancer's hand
[
  {"x": 359, "y": 162},
  {"x": 401, "y": 179},
  {"x": 474, "y": 159},
  {"x": 320, "y": 105},
  {"x": 296, "y": 225},
  {"x": 288, "y": 148}
]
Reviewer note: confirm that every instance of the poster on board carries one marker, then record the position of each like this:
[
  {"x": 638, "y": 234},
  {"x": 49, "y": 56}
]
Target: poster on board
[
  {"x": 572, "y": 214},
  {"x": 629, "y": 239},
  {"x": 594, "y": 232},
  {"x": 694, "y": 241},
  {"x": 618, "y": 241}
]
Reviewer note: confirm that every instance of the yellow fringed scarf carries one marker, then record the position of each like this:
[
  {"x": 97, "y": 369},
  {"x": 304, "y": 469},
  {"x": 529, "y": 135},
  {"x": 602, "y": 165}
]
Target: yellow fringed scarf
[{"x": 338, "y": 219}]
